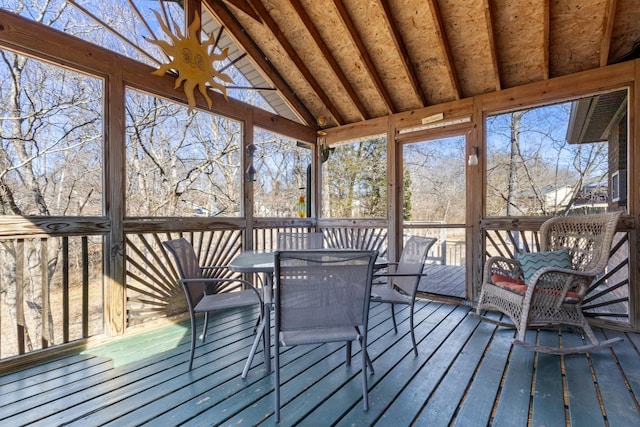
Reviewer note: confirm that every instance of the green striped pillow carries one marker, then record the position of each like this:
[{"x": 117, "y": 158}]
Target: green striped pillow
[{"x": 533, "y": 261}]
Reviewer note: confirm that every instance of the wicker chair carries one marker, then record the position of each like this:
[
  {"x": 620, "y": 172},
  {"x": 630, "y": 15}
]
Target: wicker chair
[{"x": 547, "y": 291}]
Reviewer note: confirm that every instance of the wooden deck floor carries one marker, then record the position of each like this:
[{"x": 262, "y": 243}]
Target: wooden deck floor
[
  {"x": 444, "y": 280},
  {"x": 466, "y": 374}
]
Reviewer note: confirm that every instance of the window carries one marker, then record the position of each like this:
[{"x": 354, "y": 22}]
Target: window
[
  {"x": 557, "y": 159},
  {"x": 434, "y": 181},
  {"x": 51, "y": 121},
  {"x": 180, "y": 164},
  {"x": 619, "y": 186},
  {"x": 283, "y": 176},
  {"x": 354, "y": 179}
]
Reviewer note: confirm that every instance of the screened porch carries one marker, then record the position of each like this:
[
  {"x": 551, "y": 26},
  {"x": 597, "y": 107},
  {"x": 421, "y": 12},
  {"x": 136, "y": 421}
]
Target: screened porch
[{"x": 115, "y": 159}]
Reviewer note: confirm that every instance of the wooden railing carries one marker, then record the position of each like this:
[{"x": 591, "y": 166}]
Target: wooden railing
[
  {"x": 59, "y": 269},
  {"x": 447, "y": 250},
  {"x": 50, "y": 283},
  {"x": 152, "y": 289}
]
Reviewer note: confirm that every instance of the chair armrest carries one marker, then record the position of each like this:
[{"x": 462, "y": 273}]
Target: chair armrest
[
  {"x": 379, "y": 282},
  {"x": 504, "y": 266},
  {"x": 241, "y": 283},
  {"x": 562, "y": 280},
  {"x": 400, "y": 275},
  {"x": 214, "y": 267}
]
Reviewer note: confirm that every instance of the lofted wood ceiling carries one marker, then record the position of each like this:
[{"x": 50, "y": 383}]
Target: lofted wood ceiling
[{"x": 354, "y": 60}]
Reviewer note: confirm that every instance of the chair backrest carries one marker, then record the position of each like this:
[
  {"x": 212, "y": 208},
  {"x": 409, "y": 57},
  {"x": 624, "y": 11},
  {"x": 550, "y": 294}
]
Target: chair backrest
[
  {"x": 412, "y": 260},
  {"x": 588, "y": 238},
  {"x": 295, "y": 240},
  {"x": 322, "y": 288},
  {"x": 366, "y": 239},
  {"x": 187, "y": 264}
]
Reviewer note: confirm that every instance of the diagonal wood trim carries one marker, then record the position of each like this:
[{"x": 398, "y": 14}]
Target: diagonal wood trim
[
  {"x": 246, "y": 7},
  {"x": 403, "y": 53},
  {"x": 373, "y": 73},
  {"x": 492, "y": 43},
  {"x": 240, "y": 36},
  {"x": 306, "y": 73},
  {"x": 446, "y": 50},
  {"x": 608, "y": 21},
  {"x": 328, "y": 56}
]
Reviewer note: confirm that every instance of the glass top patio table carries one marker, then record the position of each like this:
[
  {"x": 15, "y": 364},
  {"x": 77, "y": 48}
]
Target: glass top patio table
[{"x": 263, "y": 262}]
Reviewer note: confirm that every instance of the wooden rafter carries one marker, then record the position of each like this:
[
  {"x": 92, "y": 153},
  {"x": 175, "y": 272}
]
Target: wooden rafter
[
  {"x": 328, "y": 56},
  {"x": 609, "y": 19},
  {"x": 368, "y": 62},
  {"x": 492, "y": 43},
  {"x": 299, "y": 63},
  {"x": 110, "y": 29},
  {"x": 403, "y": 52},
  {"x": 191, "y": 7},
  {"x": 444, "y": 46},
  {"x": 141, "y": 18},
  {"x": 259, "y": 59},
  {"x": 546, "y": 16},
  {"x": 246, "y": 7}
]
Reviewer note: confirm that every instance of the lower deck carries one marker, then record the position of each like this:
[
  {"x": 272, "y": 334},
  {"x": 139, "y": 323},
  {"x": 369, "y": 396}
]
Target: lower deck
[{"x": 466, "y": 374}]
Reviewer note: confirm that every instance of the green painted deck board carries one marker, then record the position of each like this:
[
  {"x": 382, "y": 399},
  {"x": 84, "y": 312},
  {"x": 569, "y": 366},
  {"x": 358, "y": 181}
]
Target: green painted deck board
[
  {"x": 169, "y": 374},
  {"x": 620, "y": 405},
  {"x": 548, "y": 400},
  {"x": 485, "y": 386},
  {"x": 396, "y": 356},
  {"x": 97, "y": 391},
  {"x": 466, "y": 372},
  {"x": 456, "y": 330},
  {"x": 582, "y": 393},
  {"x": 514, "y": 399},
  {"x": 627, "y": 356},
  {"x": 77, "y": 365},
  {"x": 443, "y": 403}
]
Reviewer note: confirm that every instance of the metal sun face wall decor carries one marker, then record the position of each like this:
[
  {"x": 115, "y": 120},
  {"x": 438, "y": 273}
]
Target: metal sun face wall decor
[{"x": 192, "y": 60}]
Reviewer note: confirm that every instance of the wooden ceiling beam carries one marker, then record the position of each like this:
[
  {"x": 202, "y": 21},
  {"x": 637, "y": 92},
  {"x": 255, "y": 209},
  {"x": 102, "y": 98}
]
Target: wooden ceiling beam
[
  {"x": 608, "y": 21},
  {"x": 240, "y": 36},
  {"x": 403, "y": 52},
  {"x": 328, "y": 56},
  {"x": 190, "y": 8},
  {"x": 546, "y": 41},
  {"x": 446, "y": 50},
  {"x": 366, "y": 59},
  {"x": 299, "y": 63},
  {"x": 492, "y": 43},
  {"x": 246, "y": 7}
]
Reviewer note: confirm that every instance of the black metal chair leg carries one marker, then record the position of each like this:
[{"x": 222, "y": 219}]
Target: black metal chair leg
[{"x": 393, "y": 317}]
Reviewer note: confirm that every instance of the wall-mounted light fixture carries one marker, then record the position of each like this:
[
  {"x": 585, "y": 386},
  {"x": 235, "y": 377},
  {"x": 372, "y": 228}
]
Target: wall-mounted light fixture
[
  {"x": 251, "y": 173},
  {"x": 473, "y": 158},
  {"x": 251, "y": 170}
]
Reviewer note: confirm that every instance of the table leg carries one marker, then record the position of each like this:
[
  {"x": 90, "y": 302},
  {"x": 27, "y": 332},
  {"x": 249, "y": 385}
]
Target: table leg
[
  {"x": 267, "y": 297},
  {"x": 264, "y": 329}
]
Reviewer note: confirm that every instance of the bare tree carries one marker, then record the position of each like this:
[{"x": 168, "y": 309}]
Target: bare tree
[
  {"x": 532, "y": 169},
  {"x": 50, "y": 164}
]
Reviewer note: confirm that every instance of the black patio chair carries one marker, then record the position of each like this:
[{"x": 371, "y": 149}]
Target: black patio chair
[
  {"x": 401, "y": 286},
  {"x": 205, "y": 294},
  {"x": 322, "y": 296}
]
